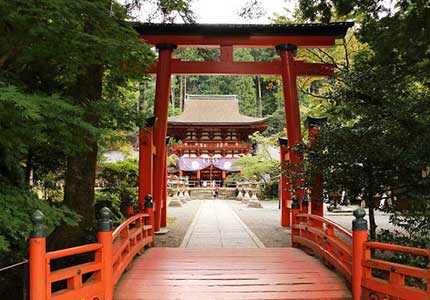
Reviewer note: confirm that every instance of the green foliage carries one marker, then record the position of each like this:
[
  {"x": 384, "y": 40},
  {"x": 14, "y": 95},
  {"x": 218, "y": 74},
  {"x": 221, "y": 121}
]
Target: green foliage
[
  {"x": 118, "y": 183},
  {"x": 369, "y": 147},
  {"x": 400, "y": 238},
  {"x": 277, "y": 122},
  {"x": 30, "y": 122},
  {"x": 254, "y": 167},
  {"x": 271, "y": 189},
  {"x": 411, "y": 239},
  {"x": 171, "y": 160},
  {"x": 379, "y": 110},
  {"x": 16, "y": 207}
]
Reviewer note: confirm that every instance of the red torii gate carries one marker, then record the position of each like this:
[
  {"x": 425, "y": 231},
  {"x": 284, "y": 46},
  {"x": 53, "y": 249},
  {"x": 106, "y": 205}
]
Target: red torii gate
[{"x": 285, "y": 38}]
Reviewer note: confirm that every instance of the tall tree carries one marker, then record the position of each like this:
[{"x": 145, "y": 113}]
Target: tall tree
[
  {"x": 86, "y": 52},
  {"x": 374, "y": 144}
]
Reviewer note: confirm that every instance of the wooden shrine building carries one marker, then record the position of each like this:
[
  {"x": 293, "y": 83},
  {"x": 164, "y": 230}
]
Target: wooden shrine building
[{"x": 212, "y": 134}]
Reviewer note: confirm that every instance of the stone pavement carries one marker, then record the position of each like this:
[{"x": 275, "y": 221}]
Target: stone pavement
[{"x": 216, "y": 225}]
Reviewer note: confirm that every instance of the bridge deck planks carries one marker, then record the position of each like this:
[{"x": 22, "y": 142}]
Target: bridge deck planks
[{"x": 229, "y": 274}]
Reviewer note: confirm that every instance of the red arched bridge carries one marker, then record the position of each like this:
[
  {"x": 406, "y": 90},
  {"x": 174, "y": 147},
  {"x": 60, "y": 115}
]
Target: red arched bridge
[
  {"x": 344, "y": 270},
  {"x": 121, "y": 269}
]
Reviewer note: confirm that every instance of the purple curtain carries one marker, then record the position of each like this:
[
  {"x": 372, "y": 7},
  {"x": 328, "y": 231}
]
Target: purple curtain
[
  {"x": 226, "y": 164},
  {"x": 199, "y": 163}
]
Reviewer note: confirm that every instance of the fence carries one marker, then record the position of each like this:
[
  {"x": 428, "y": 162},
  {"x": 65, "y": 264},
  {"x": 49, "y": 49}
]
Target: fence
[
  {"x": 352, "y": 255},
  {"x": 95, "y": 279}
]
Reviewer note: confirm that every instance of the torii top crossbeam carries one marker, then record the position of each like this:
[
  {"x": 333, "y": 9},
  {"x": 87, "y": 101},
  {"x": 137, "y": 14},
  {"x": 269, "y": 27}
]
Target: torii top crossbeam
[
  {"x": 226, "y": 37},
  {"x": 243, "y": 36}
]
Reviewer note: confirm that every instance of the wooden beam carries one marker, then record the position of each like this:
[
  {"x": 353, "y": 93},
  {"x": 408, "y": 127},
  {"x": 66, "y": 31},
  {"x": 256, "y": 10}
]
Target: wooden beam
[
  {"x": 226, "y": 53},
  {"x": 245, "y": 41},
  {"x": 226, "y": 67}
]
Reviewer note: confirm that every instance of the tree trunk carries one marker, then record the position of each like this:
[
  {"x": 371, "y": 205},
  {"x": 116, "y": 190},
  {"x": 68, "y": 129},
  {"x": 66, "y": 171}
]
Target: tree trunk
[
  {"x": 372, "y": 222},
  {"x": 172, "y": 92},
  {"x": 28, "y": 168},
  {"x": 81, "y": 171},
  {"x": 259, "y": 104},
  {"x": 181, "y": 92}
]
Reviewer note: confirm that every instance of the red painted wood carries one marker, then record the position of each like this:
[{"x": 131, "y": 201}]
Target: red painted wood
[
  {"x": 164, "y": 193},
  {"x": 207, "y": 274},
  {"x": 285, "y": 193},
  {"x": 146, "y": 149},
  {"x": 395, "y": 287},
  {"x": 226, "y": 53},
  {"x": 225, "y": 67},
  {"x": 204, "y": 41},
  {"x": 292, "y": 109},
  {"x": 161, "y": 107},
  {"x": 37, "y": 266}
]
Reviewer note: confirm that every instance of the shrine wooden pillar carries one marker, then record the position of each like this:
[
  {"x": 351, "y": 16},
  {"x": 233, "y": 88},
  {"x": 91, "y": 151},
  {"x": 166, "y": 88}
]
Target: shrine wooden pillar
[
  {"x": 146, "y": 159},
  {"x": 292, "y": 110},
  {"x": 317, "y": 206},
  {"x": 161, "y": 107},
  {"x": 198, "y": 174},
  {"x": 284, "y": 184}
]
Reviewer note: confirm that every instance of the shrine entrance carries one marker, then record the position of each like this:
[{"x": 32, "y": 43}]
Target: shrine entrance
[{"x": 286, "y": 39}]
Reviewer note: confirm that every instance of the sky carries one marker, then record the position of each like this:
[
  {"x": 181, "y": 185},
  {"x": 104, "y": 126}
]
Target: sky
[{"x": 226, "y": 11}]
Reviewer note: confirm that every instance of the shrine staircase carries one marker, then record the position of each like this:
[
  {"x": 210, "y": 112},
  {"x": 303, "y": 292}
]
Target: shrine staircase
[{"x": 325, "y": 262}]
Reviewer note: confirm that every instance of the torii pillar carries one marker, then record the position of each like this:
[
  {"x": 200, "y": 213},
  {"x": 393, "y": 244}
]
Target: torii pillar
[
  {"x": 164, "y": 192},
  {"x": 146, "y": 161},
  {"x": 285, "y": 184},
  {"x": 313, "y": 125},
  {"x": 161, "y": 109},
  {"x": 291, "y": 102}
]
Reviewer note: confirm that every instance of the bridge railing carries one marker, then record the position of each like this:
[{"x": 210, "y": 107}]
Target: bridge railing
[
  {"x": 399, "y": 281},
  {"x": 354, "y": 257},
  {"x": 331, "y": 242},
  {"x": 109, "y": 258},
  {"x": 129, "y": 239}
]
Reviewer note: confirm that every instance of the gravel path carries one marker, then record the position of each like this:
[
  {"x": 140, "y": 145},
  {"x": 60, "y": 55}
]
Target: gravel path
[
  {"x": 264, "y": 222},
  {"x": 178, "y": 221},
  {"x": 217, "y": 226}
]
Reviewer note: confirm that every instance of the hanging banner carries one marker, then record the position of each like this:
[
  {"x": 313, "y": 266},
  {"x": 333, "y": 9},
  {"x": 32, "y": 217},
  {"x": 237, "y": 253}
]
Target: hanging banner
[{"x": 199, "y": 163}]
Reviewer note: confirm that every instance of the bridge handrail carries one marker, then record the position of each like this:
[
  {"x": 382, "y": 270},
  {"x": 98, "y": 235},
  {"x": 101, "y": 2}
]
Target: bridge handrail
[
  {"x": 351, "y": 255},
  {"x": 129, "y": 239},
  {"x": 396, "y": 284},
  {"x": 112, "y": 255},
  {"x": 336, "y": 226},
  {"x": 318, "y": 234},
  {"x": 73, "y": 251},
  {"x": 73, "y": 274}
]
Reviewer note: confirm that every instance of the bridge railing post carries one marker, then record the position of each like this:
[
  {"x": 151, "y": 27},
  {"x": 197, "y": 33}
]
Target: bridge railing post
[
  {"x": 359, "y": 237},
  {"x": 130, "y": 207},
  {"x": 37, "y": 259},
  {"x": 149, "y": 209},
  {"x": 295, "y": 210},
  {"x": 104, "y": 236}
]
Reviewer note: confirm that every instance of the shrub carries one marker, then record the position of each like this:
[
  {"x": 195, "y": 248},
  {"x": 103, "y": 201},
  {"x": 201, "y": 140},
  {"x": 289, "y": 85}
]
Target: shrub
[
  {"x": 119, "y": 182},
  {"x": 16, "y": 207},
  {"x": 271, "y": 190}
]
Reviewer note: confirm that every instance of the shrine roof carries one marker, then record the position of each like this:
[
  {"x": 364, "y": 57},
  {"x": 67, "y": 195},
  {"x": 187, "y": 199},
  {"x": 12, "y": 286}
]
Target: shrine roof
[
  {"x": 214, "y": 110},
  {"x": 337, "y": 29}
]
